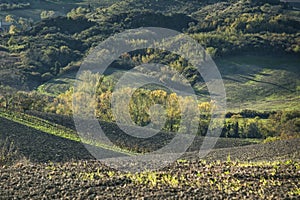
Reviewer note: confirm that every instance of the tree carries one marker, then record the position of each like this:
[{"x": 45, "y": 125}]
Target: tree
[
  {"x": 13, "y": 30},
  {"x": 173, "y": 112},
  {"x": 24, "y": 23},
  {"x": 296, "y": 49},
  {"x": 103, "y": 110},
  {"x": 6, "y": 96},
  {"x": 11, "y": 41},
  {"x": 79, "y": 12},
  {"x": 211, "y": 51},
  {"x": 47, "y": 14},
  {"x": 9, "y": 18}
]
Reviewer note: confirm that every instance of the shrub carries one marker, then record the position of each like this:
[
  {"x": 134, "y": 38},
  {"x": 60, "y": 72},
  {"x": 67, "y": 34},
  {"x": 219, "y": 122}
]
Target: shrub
[
  {"x": 271, "y": 139},
  {"x": 47, "y": 14}
]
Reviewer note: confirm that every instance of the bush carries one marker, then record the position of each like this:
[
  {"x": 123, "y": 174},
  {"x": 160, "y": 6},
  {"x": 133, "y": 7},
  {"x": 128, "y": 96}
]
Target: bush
[
  {"x": 47, "y": 14},
  {"x": 271, "y": 139},
  {"x": 211, "y": 51}
]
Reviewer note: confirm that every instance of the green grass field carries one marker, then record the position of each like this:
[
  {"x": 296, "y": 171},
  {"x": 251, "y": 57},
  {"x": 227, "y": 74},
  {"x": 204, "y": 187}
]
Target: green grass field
[
  {"x": 54, "y": 129},
  {"x": 261, "y": 82},
  {"x": 252, "y": 82}
]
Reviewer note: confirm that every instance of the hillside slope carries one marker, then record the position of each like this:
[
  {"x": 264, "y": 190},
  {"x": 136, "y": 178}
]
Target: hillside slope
[
  {"x": 222, "y": 28},
  {"x": 39, "y": 146},
  {"x": 60, "y": 168}
]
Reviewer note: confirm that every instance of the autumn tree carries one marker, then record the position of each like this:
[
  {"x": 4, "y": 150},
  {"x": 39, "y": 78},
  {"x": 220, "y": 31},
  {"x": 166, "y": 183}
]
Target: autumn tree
[{"x": 47, "y": 14}]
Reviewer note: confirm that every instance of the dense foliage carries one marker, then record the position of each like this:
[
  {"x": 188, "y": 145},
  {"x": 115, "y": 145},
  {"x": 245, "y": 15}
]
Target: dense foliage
[
  {"x": 245, "y": 124},
  {"x": 223, "y": 28},
  {"x": 9, "y": 5},
  {"x": 55, "y": 46}
]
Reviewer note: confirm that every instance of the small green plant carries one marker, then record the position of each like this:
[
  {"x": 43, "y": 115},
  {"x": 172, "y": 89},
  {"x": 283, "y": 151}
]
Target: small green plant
[
  {"x": 227, "y": 172},
  {"x": 152, "y": 179},
  {"x": 295, "y": 191},
  {"x": 170, "y": 180},
  {"x": 110, "y": 174},
  {"x": 263, "y": 181},
  {"x": 51, "y": 166},
  {"x": 180, "y": 161},
  {"x": 138, "y": 179},
  {"x": 88, "y": 176},
  {"x": 228, "y": 158}
]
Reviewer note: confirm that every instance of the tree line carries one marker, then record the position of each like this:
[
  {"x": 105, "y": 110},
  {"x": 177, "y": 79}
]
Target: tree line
[{"x": 245, "y": 124}]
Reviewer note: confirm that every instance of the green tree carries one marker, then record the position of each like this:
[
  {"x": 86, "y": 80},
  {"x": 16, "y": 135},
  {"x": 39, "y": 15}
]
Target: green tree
[
  {"x": 7, "y": 95},
  {"x": 11, "y": 41},
  {"x": 296, "y": 49},
  {"x": 13, "y": 30},
  {"x": 9, "y": 18},
  {"x": 211, "y": 51},
  {"x": 47, "y": 14}
]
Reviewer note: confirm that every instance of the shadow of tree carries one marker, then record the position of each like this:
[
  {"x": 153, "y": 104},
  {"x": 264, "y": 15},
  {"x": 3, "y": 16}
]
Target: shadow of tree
[{"x": 39, "y": 146}]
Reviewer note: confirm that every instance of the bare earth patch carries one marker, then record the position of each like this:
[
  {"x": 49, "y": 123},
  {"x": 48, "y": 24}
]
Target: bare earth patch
[{"x": 57, "y": 168}]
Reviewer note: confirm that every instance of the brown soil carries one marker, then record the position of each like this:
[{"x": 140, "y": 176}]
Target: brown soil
[{"x": 57, "y": 168}]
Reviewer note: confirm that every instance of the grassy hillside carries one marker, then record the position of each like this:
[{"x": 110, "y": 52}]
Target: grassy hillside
[
  {"x": 254, "y": 43},
  {"x": 251, "y": 81},
  {"x": 47, "y": 127},
  {"x": 261, "y": 82},
  {"x": 256, "y": 47},
  {"x": 63, "y": 127},
  {"x": 226, "y": 29}
]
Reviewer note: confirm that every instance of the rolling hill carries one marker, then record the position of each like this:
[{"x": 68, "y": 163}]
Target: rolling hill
[
  {"x": 47, "y": 164},
  {"x": 43, "y": 155}
]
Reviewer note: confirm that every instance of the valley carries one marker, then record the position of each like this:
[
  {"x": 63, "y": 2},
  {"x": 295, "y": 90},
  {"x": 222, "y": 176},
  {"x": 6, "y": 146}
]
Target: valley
[{"x": 70, "y": 133}]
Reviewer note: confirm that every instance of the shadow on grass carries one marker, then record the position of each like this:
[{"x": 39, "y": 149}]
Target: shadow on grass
[
  {"x": 39, "y": 146},
  {"x": 270, "y": 83}
]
